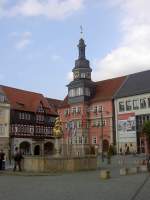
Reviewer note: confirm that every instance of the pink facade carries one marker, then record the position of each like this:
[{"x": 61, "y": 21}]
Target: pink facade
[
  {"x": 88, "y": 129},
  {"x": 101, "y": 130}
]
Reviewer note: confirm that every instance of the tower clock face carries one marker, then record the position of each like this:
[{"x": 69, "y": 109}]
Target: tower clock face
[{"x": 76, "y": 74}]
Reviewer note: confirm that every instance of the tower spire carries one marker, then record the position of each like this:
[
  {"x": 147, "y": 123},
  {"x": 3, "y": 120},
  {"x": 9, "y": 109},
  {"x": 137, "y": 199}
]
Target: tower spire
[{"x": 81, "y": 45}]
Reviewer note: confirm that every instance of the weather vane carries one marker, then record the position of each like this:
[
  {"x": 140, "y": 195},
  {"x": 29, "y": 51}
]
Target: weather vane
[{"x": 81, "y": 30}]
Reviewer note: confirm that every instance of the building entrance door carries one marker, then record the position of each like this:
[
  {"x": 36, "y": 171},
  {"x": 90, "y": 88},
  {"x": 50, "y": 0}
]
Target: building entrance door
[
  {"x": 37, "y": 150},
  {"x": 105, "y": 145}
]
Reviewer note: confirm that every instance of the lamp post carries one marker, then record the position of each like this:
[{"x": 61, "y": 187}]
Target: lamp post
[
  {"x": 102, "y": 131},
  {"x": 101, "y": 112}
]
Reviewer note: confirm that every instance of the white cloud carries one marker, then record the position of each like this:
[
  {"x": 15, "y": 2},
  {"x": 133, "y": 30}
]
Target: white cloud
[
  {"x": 52, "y": 9},
  {"x": 22, "y": 40},
  {"x": 69, "y": 76},
  {"x": 133, "y": 52}
]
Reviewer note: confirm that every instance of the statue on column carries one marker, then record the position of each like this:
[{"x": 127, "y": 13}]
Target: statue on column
[{"x": 57, "y": 133}]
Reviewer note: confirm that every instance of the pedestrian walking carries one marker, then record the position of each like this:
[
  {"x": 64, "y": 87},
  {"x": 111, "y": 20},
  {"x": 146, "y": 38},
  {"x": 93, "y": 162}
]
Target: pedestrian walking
[
  {"x": 2, "y": 160},
  {"x": 109, "y": 154},
  {"x": 120, "y": 150},
  {"x": 17, "y": 159}
]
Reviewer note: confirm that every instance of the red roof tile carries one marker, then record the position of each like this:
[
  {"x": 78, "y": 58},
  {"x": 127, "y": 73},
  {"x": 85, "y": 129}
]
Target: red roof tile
[
  {"x": 65, "y": 102},
  {"x": 107, "y": 88},
  {"x": 26, "y": 100},
  {"x": 54, "y": 103}
]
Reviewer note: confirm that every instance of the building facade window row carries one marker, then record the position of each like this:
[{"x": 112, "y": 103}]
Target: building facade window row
[
  {"x": 97, "y": 109},
  {"x": 90, "y": 123},
  {"x": 79, "y": 92},
  {"x": 24, "y": 116},
  {"x": 77, "y": 110},
  {"x": 43, "y": 130},
  {"x": 73, "y": 110},
  {"x": 99, "y": 122},
  {"x": 19, "y": 128},
  {"x": 40, "y": 118},
  {"x": 78, "y": 140},
  {"x": 73, "y": 124},
  {"x": 134, "y": 104},
  {"x": 29, "y": 129}
]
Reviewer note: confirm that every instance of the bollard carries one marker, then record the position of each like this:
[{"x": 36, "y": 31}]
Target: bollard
[
  {"x": 123, "y": 171},
  {"x": 143, "y": 168},
  {"x": 104, "y": 174}
]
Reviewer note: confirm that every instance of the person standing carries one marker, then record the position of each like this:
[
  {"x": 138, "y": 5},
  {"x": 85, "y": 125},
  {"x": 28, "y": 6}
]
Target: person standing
[
  {"x": 109, "y": 154},
  {"x": 2, "y": 160},
  {"x": 17, "y": 159}
]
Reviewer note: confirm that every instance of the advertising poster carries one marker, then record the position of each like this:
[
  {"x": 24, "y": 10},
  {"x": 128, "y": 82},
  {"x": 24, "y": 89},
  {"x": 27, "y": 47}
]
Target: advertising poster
[{"x": 127, "y": 129}]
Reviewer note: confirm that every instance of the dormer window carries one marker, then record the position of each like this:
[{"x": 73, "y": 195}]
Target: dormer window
[
  {"x": 39, "y": 118},
  {"x": 40, "y": 109},
  {"x": 20, "y": 104}
]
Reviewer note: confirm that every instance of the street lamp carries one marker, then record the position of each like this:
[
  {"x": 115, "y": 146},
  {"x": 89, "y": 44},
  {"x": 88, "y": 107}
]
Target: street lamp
[
  {"x": 102, "y": 131},
  {"x": 102, "y": 124}
]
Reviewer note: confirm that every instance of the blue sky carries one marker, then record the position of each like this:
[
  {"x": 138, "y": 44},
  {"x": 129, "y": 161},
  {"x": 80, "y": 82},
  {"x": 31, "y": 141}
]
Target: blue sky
[{"x": 38, "y": 41}]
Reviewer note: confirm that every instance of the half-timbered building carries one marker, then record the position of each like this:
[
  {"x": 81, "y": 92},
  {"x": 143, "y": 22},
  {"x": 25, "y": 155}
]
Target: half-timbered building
[{"x": 31, "y": 121}]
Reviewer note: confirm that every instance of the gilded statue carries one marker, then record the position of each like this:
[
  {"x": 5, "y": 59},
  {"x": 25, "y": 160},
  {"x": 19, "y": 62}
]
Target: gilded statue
[{"x": 57, "y": 130}]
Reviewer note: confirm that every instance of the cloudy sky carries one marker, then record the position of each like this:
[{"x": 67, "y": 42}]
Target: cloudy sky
[{"x": 38, "y": 41}]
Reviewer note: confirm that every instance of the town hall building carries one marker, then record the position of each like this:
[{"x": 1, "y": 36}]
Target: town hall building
[{"x": 87, "y": 112}]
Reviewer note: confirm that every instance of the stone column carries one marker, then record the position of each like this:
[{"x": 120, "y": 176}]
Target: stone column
[{"x": 57, "y": 148}]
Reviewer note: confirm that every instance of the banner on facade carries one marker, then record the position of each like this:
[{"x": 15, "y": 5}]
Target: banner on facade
[{"x": 127, "y": 129}]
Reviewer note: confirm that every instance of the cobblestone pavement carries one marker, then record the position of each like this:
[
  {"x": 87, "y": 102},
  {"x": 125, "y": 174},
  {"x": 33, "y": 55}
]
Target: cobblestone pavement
[{"x": 76, "y": 186}]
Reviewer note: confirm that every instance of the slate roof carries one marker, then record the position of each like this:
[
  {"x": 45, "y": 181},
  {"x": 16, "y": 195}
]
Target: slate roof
[
  {"x": 135, "y": 84},
  {"x": 26, "y": 100},
  {"x": 105, "y": 90},
  {"x": 80, "y": 82}
]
